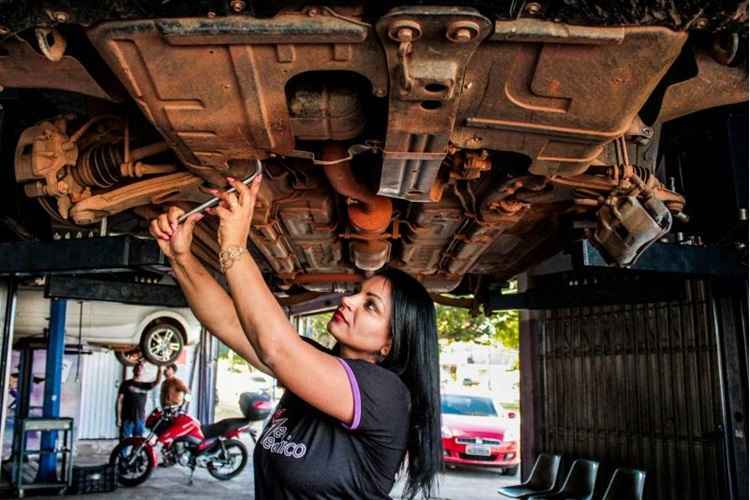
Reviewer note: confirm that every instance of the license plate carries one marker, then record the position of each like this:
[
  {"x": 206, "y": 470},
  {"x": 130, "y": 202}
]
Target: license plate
[{"x": 479, "y": 450}]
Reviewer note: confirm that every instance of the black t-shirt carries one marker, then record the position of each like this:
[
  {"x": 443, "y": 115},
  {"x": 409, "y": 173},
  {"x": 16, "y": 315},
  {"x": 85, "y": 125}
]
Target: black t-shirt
[
  {"x": 305, "y": 454},
  {"x": 134, "y": 399}
]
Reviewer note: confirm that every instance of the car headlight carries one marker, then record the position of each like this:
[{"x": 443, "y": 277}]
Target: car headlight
[
  {"x": 511, "y": 434},
  {"x": 447, "y": 432}
]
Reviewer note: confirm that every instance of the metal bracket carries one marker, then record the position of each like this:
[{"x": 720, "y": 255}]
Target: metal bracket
[
  {"x": 405, "y": 32},
  {"x": 427, "y": 51},
  {"x": 353, "y": 151}
]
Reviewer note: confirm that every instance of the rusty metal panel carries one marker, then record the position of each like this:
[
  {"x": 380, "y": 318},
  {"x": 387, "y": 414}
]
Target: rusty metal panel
[
  {"x": 22, "y": 67},
  {"x": 522, "y": 88},
  {"x": 241, "y": 110},
  {"x": 310, "y": 223},
  {"x": 635, "y": 386},
  {"x": 714, "y": 84},
  {"x": 537, "y": 98}
]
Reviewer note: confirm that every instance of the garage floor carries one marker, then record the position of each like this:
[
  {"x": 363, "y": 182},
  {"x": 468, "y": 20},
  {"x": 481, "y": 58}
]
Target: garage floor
[{"x": 460, "y": 484}]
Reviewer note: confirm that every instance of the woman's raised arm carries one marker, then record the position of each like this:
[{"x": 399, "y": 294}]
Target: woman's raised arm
[
  {"x": 312, "y": 375},
  {"x": 209, "y": 302}
]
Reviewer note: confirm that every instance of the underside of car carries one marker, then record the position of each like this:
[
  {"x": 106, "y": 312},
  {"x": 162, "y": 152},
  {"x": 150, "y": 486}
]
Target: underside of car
[{"x": 461, "y": 142}]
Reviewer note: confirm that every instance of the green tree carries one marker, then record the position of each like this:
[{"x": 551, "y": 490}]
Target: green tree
[
  {"x": 456, "y": 324},
  {"x": 316, "y": 326}
]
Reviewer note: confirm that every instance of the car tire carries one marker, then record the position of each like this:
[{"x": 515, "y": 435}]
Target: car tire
[
  {"x": 129, "y": 357},
  {"x": 162, "y": 343},
  {"x": 510, "y": 471}
]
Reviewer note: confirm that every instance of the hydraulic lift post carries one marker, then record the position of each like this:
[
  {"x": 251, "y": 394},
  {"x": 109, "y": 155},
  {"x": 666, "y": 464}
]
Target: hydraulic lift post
[{"x": 52, "y": 388}]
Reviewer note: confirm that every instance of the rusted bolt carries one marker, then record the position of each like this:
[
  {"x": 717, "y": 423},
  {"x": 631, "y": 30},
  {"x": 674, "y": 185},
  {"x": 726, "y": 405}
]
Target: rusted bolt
[
  {"x": 533, "y": 8},
  {"x": 312, "y": 12},
  {"x": 60, "y": 16},
  {"x": 463, "y": 35},
  {"x": 701, "y": 23},
  {"x": 405, "y": 34},
  {"x": 462, "y": 31},
  {"x": 237, "y": 6},
  {"x": 4, "y": 31},
  {"x": 404, "y": 31}
]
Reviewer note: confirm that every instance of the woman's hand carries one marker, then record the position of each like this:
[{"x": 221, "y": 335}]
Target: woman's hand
[
  {"x": 235, "y": 212},
  {"x": 174, "y": 239}
]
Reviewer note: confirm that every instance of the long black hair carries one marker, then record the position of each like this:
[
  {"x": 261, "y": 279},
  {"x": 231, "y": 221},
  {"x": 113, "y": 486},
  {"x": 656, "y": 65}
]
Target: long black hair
[{"x": 414, "y": 358}]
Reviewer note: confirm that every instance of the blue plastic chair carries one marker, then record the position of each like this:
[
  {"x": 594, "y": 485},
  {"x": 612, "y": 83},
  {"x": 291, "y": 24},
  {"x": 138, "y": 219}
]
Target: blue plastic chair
[
  {"x": 579, "y": 485},
  {"x": 542, "y": 479},
  {"x": 626, "y": 484}
]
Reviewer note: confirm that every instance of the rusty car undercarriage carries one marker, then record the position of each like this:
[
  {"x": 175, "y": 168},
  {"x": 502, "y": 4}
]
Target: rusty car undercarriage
[{"x": 459, "y": 143}]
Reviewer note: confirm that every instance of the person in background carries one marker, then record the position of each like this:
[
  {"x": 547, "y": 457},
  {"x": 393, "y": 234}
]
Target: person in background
[
  {"x": 13, "y": 390},
  {"x": 131, "y": 403},
  {"x": 173, "y": 389}
]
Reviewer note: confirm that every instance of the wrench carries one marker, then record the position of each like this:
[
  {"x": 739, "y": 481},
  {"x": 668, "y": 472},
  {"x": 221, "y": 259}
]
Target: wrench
[{"x": 215, "y": 200}]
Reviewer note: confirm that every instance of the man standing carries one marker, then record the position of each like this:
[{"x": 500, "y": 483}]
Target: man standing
[
  {"x": 173, "y": 389},
  {"x": 13, "y": 390},
  {"x": 131, "y": 403}
]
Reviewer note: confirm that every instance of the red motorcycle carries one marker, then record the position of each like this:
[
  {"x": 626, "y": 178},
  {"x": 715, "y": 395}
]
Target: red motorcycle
[{"x": 185, "y": 442}]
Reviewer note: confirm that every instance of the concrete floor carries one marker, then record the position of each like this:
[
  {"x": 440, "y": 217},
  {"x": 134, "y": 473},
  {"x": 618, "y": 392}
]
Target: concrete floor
[{"x": 459, "y": 484}]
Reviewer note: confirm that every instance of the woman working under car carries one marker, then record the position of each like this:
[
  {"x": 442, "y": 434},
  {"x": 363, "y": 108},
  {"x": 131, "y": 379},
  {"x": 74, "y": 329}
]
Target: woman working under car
[{"x": 351, "y": 415}]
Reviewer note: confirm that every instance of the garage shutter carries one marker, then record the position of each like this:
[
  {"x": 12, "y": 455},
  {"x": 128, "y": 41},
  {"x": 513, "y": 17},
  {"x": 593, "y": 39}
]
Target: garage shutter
[
  {"x": 102, "y": 374},
  {"x": 639, "y": 385}
]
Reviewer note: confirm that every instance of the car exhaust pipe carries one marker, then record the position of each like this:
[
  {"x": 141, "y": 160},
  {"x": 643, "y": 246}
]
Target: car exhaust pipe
[{"x": 369, "y": 214}]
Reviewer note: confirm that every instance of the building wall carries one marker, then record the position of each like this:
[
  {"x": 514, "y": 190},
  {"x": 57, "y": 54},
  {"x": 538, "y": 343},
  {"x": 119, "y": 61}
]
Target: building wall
[{"x": 636, "y": 386}]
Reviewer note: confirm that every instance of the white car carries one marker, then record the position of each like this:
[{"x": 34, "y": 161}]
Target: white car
[{"x": 156, "y": 333}]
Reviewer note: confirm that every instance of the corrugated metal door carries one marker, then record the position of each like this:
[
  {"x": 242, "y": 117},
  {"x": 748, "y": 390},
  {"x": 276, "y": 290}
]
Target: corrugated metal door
[
  {"x": 636, "y": 386},
  {"x": 102, "y": 375}
]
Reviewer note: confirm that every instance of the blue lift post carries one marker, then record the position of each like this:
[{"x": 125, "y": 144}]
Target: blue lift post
[{"x": 52, "y": 388}]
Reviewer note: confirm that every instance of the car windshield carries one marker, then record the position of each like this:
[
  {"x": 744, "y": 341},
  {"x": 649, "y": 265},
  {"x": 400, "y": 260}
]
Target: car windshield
[{"x": 468, "y": 405}]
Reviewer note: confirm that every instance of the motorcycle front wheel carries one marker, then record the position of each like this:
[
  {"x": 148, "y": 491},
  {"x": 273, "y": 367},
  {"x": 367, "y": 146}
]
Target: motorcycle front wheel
[
  {"x": 230, "y": 461},
  {"x": 132, "y": 465}
]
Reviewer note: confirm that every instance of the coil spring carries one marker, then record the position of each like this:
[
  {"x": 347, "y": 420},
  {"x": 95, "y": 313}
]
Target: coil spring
[{"x": 99, "y": 166}]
